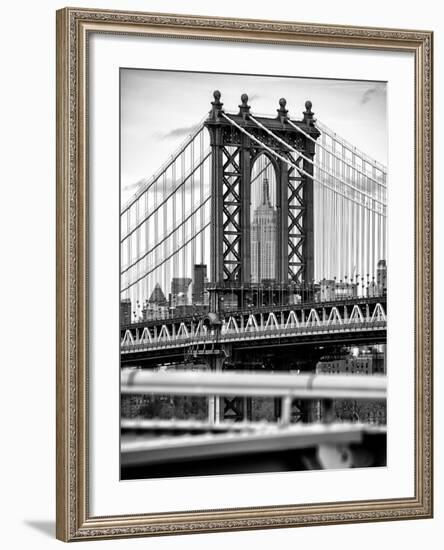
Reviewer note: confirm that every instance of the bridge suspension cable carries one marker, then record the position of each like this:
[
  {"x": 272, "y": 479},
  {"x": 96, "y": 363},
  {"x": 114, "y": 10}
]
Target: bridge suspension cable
[
  {"x": 174, "y": 253},
  {"x": 277, "y": 138},
  {"x": 353, "y": 241},
  {"x": 146, "y": 184},
  {"x": 362, "y": 234},
  {"x": 165, "y": 225},
  {"x": 176, "y": 228},
  {"x": 172, "y": 194},
  {"x": 353, "y": 149},
  {"x": 293, "y": 164},
  {"x": 331, "y": 152}
]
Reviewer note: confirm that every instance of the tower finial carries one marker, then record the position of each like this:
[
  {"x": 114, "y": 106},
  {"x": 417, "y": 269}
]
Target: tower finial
[
  {"x": 216, "y": 105},
  {"x": 244, "y": 108},
  {"x": 308, "y": 113},
  {"x": 282, "y": 111}
]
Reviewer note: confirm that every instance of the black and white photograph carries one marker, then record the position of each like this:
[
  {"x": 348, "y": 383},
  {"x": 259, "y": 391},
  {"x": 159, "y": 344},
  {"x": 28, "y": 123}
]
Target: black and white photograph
[
  {"x": 253, "y": 273},
  {"x": 221, "y": 326}
]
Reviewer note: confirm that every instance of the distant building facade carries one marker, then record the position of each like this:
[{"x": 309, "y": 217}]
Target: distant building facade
[
  {"x": 157, "y": 305},
  {"x": 368, "y": 362},
  {"x": 371, "y": 362},
  {"x": 125, "y": 311},
  {"x": 330, "y": 289},
  {"x": 158, "y": 297},
  {"x": 179, "y": 290},
  {"x": 381, "y": 277},
  {"x": 264, "y": 239},
  {"x": 199, "y": 279}
]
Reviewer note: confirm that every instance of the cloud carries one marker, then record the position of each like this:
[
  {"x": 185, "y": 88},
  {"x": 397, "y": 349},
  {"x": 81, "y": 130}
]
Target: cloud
[
  {"x": 169, "y": 186},
  {"x": 179, "y": 132},
  {"x": 134, "y": 185},
  {"x": 368, "y": 95}
]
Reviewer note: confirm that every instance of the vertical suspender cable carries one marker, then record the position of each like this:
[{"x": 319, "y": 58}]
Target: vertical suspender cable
[
  {"x": 364, "y": 270},
  {"x": 325, "y": 232},
  {"x": 349, "y": 227},
  {"x": 341, "y": 247},
  {"x": 339, "y": 215},
  {"x": 201, "y": 189},
  {"x": 364, "y": 226},
  {"x": 140, "y": 285},
  {"x": 335, "y": 225},
  {"x": 328, "y": 218},
  {"x": 193, "y": 219},
  {"x": 378, "y": 220},
  {"x": 167, "y": 241},
  {"x": 147, "y": 246},
  {"x": 327, "y": 222},
  {"x": 128, "y": 247},
  {"x": 374, "y": 219},
  {"x": 344, "y": 239},
  {"x": 182, "y": 214},
  {"x": 130, "y": 259},
  {"x": 369, "y": 227},
  {"x": 205, "y": 234},
  {"x": 174, "y": 199},
  {"x": 156, "y": 238},
  {"x": 384, "y": 232}
]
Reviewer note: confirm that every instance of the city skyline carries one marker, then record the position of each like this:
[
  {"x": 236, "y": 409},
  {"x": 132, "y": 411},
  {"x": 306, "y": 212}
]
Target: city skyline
[{"x": 194, "y": 298}]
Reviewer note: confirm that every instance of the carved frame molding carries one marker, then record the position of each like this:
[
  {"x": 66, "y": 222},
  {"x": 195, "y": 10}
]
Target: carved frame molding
[{"x": 73, "y": 519}]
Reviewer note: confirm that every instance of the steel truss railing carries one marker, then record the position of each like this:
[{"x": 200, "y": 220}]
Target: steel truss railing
[
  {"x": 257, "y": 334},
  {"x": 254, "y": 324}
]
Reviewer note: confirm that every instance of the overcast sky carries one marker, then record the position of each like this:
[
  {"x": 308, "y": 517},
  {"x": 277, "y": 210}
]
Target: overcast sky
[{"x": 160, "y": 108}]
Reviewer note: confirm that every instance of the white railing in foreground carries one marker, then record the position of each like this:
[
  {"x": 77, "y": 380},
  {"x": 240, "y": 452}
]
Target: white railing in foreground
[
  {"x": 303, "y": 386},
  {"x": 224, "y": 439},
  {"x": 247, "y": 384}
]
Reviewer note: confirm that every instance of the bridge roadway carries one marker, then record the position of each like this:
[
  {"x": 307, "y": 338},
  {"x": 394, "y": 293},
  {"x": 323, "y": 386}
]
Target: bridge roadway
[{"x": 347, "y": 321}]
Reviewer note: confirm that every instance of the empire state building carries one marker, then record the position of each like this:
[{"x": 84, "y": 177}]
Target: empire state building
[{"x": 264, "y": 238}]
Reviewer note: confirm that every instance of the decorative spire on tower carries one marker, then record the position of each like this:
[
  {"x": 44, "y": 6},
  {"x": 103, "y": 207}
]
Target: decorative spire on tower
[
  {"x": 308, "y": 113},
  {"x": 282, "y": 111},
  {"x": 244, "y": 108},
  {"x": 216, "y": 106},
  {"x": 266, "y": 192}
]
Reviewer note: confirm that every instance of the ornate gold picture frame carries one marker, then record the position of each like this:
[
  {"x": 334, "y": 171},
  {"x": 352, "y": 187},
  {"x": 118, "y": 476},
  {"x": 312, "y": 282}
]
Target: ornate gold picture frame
[{"x": 75, "y": 520}]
